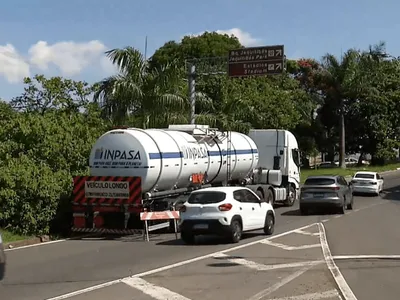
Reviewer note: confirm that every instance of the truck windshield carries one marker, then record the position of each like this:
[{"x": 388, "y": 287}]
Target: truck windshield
[{"x": 206, "y": 197}]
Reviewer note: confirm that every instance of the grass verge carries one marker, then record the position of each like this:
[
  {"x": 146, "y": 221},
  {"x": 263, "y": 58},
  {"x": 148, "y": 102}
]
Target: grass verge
[
  {"x": 346, "y": 172},
  {"x": 9, "y": 237}
]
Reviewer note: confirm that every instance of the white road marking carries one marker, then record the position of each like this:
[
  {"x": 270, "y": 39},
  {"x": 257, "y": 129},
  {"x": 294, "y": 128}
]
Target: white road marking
[
  {"x": 175, "y": 265},
  {"x": 261, "y": 267},
  {"x": 307, "y": 233},
  {"x": 289, "y": 248},
  {"x": 155, "y": 291},
  {"x": 278, "y": 285},
  {"x": 313, "y": 296},
  {"x": 337, "y": 275},
  {"x": 345, "y": 257}
]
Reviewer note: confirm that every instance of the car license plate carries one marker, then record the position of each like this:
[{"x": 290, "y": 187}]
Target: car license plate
[
  {"x": 319, "y": 195},
  {"x": 200, "y": 226}
]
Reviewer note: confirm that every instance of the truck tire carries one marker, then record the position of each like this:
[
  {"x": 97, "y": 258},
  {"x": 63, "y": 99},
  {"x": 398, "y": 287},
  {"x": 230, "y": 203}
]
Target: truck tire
[
  {"x": 291, "y": 198},
  {"x": 270, "y": 197},
  {"x": 269, "y": 224},
  {"x": 260, "y": 195},
  {"x": 236, "y": 231},
  {"x": 188, "y": 238}
]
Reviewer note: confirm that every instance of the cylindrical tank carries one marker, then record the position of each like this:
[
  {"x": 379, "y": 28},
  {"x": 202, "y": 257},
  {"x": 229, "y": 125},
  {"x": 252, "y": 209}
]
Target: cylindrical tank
[{"x": 165, "y": 159}]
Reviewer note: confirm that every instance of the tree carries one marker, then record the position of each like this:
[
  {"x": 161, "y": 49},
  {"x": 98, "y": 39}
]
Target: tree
[
  {"x": 149, "y": 95},
  {"x": 206, "y": 45},
  {"x": 57, "y": 93},
  {"x": 336, "y": 79},
  {"x": 41, "y": 148},
  {"x": 375, "y": 113}
]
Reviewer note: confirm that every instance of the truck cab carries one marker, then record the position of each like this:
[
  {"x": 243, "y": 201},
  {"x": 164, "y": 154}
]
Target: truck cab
[{"x": 278, "y": 163}]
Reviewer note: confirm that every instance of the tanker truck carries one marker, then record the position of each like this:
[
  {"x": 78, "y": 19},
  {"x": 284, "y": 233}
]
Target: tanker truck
[{"x": 134, "y": 170}]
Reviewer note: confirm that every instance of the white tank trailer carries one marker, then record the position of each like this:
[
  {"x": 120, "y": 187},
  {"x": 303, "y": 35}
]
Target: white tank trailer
[{"x": 166, "y": 160}]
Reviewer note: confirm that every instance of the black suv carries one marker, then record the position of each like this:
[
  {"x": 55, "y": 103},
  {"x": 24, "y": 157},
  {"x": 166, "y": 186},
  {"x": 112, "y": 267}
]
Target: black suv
[{"x": 2, "y": 259}]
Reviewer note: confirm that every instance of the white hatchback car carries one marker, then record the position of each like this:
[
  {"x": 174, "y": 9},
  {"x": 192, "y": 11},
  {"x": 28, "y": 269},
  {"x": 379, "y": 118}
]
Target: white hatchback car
[
  {"x": 367, "y": 182},
  {"x": 226, "y": 211}
]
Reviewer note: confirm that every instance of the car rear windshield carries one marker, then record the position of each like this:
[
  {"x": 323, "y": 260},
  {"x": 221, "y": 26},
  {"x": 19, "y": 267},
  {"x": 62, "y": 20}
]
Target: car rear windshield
[
  {"x": 364, "y": 175},
  {"x": 319, "y": 181},
  {"x": 206, "y": 197}
]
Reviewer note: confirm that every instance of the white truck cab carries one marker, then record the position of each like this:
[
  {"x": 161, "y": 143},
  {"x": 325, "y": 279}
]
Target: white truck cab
[{"x": 278, "y": 162}]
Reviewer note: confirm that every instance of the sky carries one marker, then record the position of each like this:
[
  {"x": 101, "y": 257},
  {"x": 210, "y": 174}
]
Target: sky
[{"x": 69, "y": 38}]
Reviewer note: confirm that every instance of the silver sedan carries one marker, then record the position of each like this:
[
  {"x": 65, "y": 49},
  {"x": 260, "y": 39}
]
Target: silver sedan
[{"x": 332, "y": 192}]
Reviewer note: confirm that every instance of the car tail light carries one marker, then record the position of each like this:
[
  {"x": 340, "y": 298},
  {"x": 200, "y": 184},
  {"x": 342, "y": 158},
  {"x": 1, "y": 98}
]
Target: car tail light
[
  {"x": 225, "y": 207},
  {"x": 183, "y": 208},
  {"x": 335, "y": 188}
]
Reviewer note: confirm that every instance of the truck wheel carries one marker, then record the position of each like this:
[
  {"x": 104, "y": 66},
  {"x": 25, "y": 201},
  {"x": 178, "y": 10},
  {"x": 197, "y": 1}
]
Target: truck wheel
[
  {"x": 270, "y": 197},
  {"x": 260, "y": 195},
  {"x": 187, "y": 238},
  {"x": 269, "y": 224},
  {"x": 236, "y": 231},
  {"x": 291, "y": 196}
]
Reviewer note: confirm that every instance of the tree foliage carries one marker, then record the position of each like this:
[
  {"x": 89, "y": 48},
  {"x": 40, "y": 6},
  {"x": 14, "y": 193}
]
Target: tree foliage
[
  {"x": 47, "y": 134},
  {"x": 48, "y": 130}
]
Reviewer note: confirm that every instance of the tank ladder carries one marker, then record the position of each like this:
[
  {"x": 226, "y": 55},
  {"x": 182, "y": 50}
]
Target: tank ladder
[{"x": 228, "y": 157}]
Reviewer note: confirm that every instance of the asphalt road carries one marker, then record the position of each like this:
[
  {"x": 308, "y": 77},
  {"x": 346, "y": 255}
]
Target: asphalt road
[{"x": 279, "y": 267}]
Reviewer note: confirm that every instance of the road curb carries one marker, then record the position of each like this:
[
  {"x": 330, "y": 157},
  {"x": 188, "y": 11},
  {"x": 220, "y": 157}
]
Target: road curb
[
  {"x": 42, "y": 240},
  {"x": 388, "y": 172},
  {"x": 28, "y": 242}
]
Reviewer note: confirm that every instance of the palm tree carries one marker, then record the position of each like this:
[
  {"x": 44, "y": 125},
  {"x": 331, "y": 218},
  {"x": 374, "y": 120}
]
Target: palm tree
[
  {"x": 152, "y": 96},
  {"x": 337, "y": 83}
]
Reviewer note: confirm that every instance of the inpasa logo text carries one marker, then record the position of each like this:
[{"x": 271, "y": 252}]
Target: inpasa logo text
[{"x": 107, "y": 154}]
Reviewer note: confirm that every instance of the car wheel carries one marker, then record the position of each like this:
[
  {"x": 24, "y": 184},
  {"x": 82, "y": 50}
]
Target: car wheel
[
  {"x": 2, "y": 270},
  {"x": 342, "y": 209},
  {"x": 303, "y": 210},
  {"x": 236, "y": 231},
  {"x": 291, "y": 196},
  {"x": 188, "y": 238},
  {"x": 350, "y": 205},
  {"x": 269, "y": 224}
]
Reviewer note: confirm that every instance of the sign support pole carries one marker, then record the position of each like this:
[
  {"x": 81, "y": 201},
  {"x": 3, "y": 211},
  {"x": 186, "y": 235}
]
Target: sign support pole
[{"x": 192, "y": 91}]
